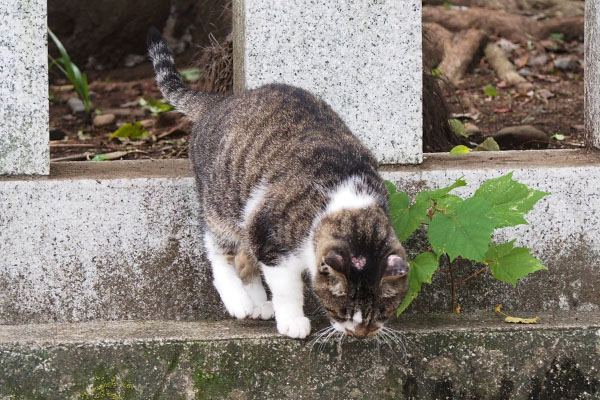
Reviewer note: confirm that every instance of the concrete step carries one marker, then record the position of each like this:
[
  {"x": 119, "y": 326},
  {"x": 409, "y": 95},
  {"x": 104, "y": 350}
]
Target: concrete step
[
  {"x": 440, "y": 357},
  {"x": 122, "y": 240}
]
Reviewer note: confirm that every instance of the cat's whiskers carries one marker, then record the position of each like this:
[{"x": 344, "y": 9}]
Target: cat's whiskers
[
  {"x": 319, "y": 336},
  {"x": 396, "y": 337}
]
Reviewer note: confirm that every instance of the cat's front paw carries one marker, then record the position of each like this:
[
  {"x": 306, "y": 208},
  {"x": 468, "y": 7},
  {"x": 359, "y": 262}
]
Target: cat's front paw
[
  {"x": 263, "y": 312},
  {"x": 297, "y": 327},
  {"x": 240, "y": 308}
]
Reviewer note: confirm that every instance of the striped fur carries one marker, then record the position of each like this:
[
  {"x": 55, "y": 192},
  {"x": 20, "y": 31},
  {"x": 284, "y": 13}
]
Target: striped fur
[{"x": 283, "y": 183}]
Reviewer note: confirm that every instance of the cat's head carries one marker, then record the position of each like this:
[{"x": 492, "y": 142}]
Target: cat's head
[{"x": 362, "y": 271}]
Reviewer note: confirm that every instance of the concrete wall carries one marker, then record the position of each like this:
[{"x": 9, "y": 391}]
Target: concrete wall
[
  {"x": 121, "y": 240},
  {"x": 362, "y": 56},
  {"x": 24, "y": 145}
]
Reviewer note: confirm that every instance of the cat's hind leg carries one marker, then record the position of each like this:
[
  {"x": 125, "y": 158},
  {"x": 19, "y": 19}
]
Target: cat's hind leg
[
  {"x": 237, "y": 301},
  {"x": 248, "y": 270}
]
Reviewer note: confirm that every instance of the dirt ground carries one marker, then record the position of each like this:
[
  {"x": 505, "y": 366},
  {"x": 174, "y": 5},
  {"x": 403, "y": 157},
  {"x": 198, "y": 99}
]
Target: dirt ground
[{"x": 551, "y": 101}]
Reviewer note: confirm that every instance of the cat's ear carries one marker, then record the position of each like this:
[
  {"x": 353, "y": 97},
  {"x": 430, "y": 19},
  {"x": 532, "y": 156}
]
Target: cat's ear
[
  {"x": 393, "y": 281},
  {"x": 334, "y": 260},
  {"x": 330, "y": 266}
]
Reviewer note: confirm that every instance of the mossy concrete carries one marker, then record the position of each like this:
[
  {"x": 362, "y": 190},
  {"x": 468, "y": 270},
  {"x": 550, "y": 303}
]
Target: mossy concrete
[{"x": 442, "y": 357}]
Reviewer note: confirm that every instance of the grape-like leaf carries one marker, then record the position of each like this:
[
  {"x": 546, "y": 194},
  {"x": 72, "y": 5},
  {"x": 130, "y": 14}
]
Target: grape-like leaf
[
  {"x": 509, "y": 263},
  {"x": 435, "y": 195},
  {"x": 390, "y": 187},
  {"x": 406, "y": 219},
  {"x": 509, "y": 199},
  {"x": 133, "y": 131},
  {"x": 421, "y": 270},
  {"x": 460, "y": 149},
  {"x": 465, "y": 232},
  {"x": 449, "y": 202}
]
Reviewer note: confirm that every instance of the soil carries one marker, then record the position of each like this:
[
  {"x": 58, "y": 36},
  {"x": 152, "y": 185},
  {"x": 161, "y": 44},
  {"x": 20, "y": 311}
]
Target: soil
[{"x": 552, "y": 102}]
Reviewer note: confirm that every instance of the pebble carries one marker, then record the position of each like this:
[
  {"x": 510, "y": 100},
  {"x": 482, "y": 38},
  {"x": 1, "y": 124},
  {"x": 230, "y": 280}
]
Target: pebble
[
  {"x": 538, "y": 60},
  {"x": 566, "y": 63},
  {"x": 76, "y": 105},
  {"x": 524, "y": 72},
  {"x": 104, "y": 120},
  {"x": 522, "y": 137}
]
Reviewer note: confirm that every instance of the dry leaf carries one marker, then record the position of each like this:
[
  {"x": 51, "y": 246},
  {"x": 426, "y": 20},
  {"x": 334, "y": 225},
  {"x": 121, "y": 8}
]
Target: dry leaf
[
  {"x": 498, "y": 308},
  {"x": 515, "y": 320},
  {"x": 457, "y": 311}
]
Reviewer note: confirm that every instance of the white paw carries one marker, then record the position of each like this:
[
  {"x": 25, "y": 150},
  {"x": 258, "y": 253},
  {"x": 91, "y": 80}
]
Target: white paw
[
  {"x": 298, "y": 327},
  {"x": 241, "y": 308},
  {"x": 264, "y": 312}
]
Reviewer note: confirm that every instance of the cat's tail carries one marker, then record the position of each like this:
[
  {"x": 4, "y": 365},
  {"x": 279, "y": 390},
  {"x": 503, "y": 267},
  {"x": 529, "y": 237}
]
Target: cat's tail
[{"x": 191, "y": 102}]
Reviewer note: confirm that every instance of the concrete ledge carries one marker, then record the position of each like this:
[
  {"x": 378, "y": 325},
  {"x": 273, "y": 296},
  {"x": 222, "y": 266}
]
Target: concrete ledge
[
  {"x": 121, "y": 240},
  {"x": 445, "y": 357}
]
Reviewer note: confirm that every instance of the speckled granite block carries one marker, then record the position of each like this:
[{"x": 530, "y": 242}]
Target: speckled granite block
[
  {"x": 592, "y": 73},
  {"x": 362, "y": 56},
  {"x": 122, "y": 240},
  {"x": 24, "y": 145}
]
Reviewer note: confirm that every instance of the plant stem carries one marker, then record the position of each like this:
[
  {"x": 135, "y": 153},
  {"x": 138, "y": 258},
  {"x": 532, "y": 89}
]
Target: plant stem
[
  {"x": 452, "y": 286},
  {"x": 468, "y": 278}
]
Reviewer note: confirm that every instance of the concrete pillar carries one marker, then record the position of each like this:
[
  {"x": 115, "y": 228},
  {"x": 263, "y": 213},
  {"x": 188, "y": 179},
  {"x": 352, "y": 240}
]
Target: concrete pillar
[
  {"x": 592, "y": 73},
  {"x": 361, "y": 56},
  {"x": 24, "y": 148}
]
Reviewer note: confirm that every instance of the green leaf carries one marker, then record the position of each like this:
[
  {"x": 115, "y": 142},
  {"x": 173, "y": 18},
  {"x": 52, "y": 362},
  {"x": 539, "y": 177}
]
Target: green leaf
[
  {"x": 156, "y": 106},
  {"x": 436, "y": 72},
  {"x": 460, "y": 149},
  {"x": 488, "y": 144},
  {"x": 558, "y": 136},
  {"x": 130, "y": 131},
  {"x": 70, "y": 69},
  {"x": 406, "y": 219},
  {"x": 448, "y": 203},
  {"x": 465, "y": 232},
  {"x": 99, "y": 157},
  {"x": 421, "y": 270},
  {"x": 390, "y": 187},
  {"x": 509, "y": 263},
  {"x": 490, "y": 90},
  {"x": 191, "y": 74},
  {"x": 458, "y": 128},
  {"x": 557, "y": 36},
  {"x": 510, "y": 200},
  {"x": 435, "y": 195},
  {"x": 447, "y": 5}
]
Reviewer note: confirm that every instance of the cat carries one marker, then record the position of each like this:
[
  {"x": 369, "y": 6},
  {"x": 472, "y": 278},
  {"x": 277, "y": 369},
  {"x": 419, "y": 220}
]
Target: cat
[{"x": 287, "y": 188}]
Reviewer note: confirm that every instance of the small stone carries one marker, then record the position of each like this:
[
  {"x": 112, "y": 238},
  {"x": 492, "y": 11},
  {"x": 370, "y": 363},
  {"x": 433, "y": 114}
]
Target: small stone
[
  {"x": 524, "y": 72},
  {"x": 566, "y": 63},
  {"x": 521, "y": 137},
  {"x": 507, "y": 45},
  {"x": 544, "y": 94},
  {"x": 538, "y": 60},
  {"x": 104, "y": 120},
  {"x": 147, "y": 123},
  {"x": 471, "y": 129},
  {"x": 76, "y": 105}
]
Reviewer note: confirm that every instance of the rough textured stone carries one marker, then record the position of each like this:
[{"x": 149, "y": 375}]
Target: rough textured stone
[
  {"x": 592, "y": 73},
  {"x": 362, "y": 57},
  {"x": 23, "y": 88},
  {"x": 121, "y": 240},
  {"x": 440, "y": 357},
  {"x": 104, "y": 120}
]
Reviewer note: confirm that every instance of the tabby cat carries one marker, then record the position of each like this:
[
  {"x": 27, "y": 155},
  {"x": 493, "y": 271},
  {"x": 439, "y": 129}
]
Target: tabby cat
[{"x": 286, "y": 187}]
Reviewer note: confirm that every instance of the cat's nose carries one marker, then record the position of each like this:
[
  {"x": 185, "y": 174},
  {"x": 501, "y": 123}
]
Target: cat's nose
[{"x": 362, "y": 331}]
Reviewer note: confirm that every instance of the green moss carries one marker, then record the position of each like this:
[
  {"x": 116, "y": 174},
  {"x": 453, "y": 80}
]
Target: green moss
[
  {"x": 210, "y": 385},
  {"x": 173, "y": 363},
  {"x": 107, "y": 386}
]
